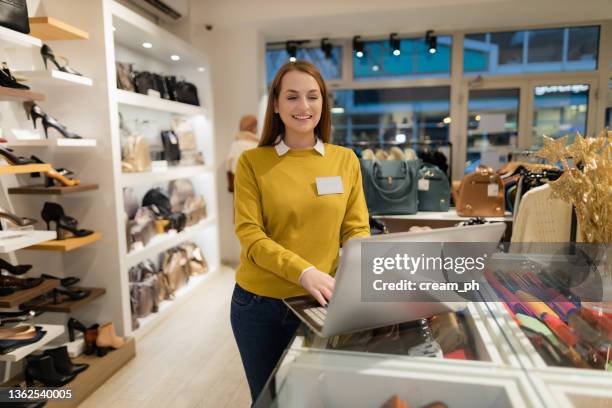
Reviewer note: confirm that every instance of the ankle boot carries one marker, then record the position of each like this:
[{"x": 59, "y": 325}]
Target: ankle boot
[
  {"x": 41, "y": 368},
  {"x": 62, "y": 362},
  {"x": 108, "y": 339},
  {"x": 91, "y": 335}
]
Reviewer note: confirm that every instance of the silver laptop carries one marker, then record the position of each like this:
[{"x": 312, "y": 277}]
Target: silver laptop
[{"x": 346, "y": 312}]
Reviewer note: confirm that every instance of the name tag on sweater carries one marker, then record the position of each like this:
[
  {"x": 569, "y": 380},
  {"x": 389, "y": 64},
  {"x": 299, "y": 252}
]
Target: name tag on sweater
[{"x": 329, "y": 185}]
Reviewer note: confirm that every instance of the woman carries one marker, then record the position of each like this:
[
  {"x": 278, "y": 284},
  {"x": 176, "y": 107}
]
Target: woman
[{"x": 297, "y": 199}]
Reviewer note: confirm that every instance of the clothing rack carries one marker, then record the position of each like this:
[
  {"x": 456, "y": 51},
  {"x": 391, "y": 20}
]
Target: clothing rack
[
  {"x": 525, "y": 155},
  {"x": 387, "y": 144}
]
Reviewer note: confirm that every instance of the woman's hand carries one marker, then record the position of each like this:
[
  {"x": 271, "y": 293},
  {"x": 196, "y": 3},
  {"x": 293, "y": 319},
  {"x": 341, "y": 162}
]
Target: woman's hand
[{"x": 319, "y": 284}]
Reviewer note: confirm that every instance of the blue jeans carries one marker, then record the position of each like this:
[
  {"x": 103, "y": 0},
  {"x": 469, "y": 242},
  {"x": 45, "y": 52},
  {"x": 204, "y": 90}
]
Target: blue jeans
[{"x": 263, "y": 327}]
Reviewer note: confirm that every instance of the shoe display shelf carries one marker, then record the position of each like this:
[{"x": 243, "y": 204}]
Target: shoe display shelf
[
  {"x": 51, "y": 29},
  {"x": 53, "y": 190},
  {"x": 19, "y": 95},
  {"x": 30, "y": 143},
  {"x": 68, "y": 244},
  {"x": 22, "y": 296},
  {"x": 99, "y": 371},
  {"x": 130, "y": 31},
  {"x": 12, "y": 39},
  {"x": 54, "y": 77},
  {"x": 68, "y": 306},
  {"x": 14, "y": 240}
]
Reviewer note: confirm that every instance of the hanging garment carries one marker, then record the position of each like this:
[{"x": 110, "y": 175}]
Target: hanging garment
[{"x": 541, "y": 219}]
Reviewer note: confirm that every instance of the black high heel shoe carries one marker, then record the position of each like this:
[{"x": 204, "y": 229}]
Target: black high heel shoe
[
  {"x": 65, "y": 282},
  {"x": 14, "y": 269},
  {"x": 47, "y": 54},
  {"x": 8, "y": 80},
  {"x": 12, "y": 159},
  {"x": 53, "y": 212},
  {"x": 90, "y": 334},
  {"x": 33, "y": 111},
  {"x": 75, "y": 294}
]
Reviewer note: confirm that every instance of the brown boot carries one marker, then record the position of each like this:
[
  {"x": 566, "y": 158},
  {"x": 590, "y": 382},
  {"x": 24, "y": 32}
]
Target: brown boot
[{"x": 107, "y": 338}]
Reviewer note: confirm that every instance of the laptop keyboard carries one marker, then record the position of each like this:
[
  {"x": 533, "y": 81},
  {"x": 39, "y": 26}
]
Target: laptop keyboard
[{"x": 318, "y": 314}]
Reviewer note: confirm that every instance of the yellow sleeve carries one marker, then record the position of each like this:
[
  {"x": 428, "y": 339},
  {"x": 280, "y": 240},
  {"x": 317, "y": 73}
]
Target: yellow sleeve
[
  {"x": 356, "y": 219},
  {"x": 258, "y": 247}
]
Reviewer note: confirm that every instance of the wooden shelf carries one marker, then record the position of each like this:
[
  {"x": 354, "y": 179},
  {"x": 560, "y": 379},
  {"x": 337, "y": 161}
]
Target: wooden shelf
[
  {"x": 54, "y": 77},
  {"x": 100, "y": 369},
  {"x": 24, "y": 169},
  {"x": 49, "y": 29},
  {"x": 65, "y": 307},
  {"x": 53, "y": 331},
  {"x": 22, "y": 296},
  {"x": 19, "y": 95},
  {"x": 55, "y": 190},
  {"x": 68, "y": 244}
]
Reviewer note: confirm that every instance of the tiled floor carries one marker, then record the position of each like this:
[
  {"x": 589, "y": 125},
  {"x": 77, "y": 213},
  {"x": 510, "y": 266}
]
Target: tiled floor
[{"x": 190, "y": 360}]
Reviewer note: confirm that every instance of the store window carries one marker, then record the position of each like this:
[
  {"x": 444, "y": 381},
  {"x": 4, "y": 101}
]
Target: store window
[
  {"x": 414, "y": 60},
  {"x": 559, "y": 110},
  {"x": 492, "y": 127},
  {"x": 545, "y": 50},
  {"x": 391, "y": 115},
  {"x": 331, "y": 68}
]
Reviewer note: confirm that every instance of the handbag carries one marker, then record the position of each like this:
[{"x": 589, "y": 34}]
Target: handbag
[
  {"x": 433, "y": 189},
  {"x": 180, "y": 190},
  {"x": 145, "y": 81},
  {"x": 144, "y": 297},
  {"x": 172, "y": 151},
  {"x": 194, "y": 210},
  {"x": 390, "y": 186},
  {"x": 130, "y": 202},
  {"x": 136, "y": 154},
  {"x": 141, "y": 229},
  {"x": 481, "y": 193},
  {"x": 196, "y": 262},
  {"x": 174, "y": 267},
  {"x": 155, "y": 197},
  {"x": 14, "y": 15},
  {"x": 186, "y": 92},
  {"x": 125, "y": 76}
]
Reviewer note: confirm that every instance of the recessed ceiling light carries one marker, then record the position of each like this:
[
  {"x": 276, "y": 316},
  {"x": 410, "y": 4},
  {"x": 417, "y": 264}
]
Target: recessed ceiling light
[
  {"x": 201, "y": 69},
  {"x": 375, "y": 68},
  {"x": 147, "y": 45},
  {"x": 175, "y": 57}
]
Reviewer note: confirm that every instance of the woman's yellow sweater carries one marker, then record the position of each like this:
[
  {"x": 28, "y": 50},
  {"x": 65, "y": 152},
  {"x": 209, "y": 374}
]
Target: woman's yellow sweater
[{"x": 284, "y": 225}]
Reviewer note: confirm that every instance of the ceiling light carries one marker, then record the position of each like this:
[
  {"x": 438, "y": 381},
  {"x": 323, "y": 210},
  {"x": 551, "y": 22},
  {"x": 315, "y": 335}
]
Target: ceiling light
[
  {"x": 175, "y": 57},
  {"x": 338, "y": 110},
  {"x": 327, "y": 48},
  {"x": 147, "y": 45},
  {"x": 477, "y": 118},
  {"x": 358, "y": 46},
  {"x": 291, "y": 48},
  {"x": 201, "y": 69},
  {"x": 432, "y": 42},
  {"x": 395, "y": 44},
  {"x": 400, "y": 138},
  {"x": 375, "y": 68},
  {"x": 446, "y": 120}
]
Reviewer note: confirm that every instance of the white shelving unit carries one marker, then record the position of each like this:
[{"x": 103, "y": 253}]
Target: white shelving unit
[
  {"x": 172, "y": 173},
  {"x": 163, "y": 242},
  {"x": 130, "y": 30},
  {"x": 54, "y": 78},
  {"x": 51, "y": 143},
  {"x": 53, "y": 331},
  {"x": 155, "y": 103},
  {"x": 15, "y": 240},
  {"x": 13, "y": 38}
]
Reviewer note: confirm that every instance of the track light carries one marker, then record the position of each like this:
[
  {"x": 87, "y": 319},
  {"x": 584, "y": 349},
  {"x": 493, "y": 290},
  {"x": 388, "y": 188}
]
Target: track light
[
  {"x": 432, "y": 42},
  {"x": 358, "y": 46},
  {"x": 395, "y": 44},
  {"x": 291, "y": 50},
  {"x": 326, "y": 47}
]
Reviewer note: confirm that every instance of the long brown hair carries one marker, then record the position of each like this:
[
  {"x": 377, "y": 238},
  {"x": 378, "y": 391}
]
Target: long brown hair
[{"x": 273, "y": 125}]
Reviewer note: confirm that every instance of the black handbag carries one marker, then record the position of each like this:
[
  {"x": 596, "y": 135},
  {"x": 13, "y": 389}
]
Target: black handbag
[
  {"x": 14, "y": 15},
  {"x": 186, "y": 92},
  {"x": 144, "y": 80},
  {"x": 158, "y": 201},
  {"x": 172, "y": 151},
  {"x": 171, "y": 86}
]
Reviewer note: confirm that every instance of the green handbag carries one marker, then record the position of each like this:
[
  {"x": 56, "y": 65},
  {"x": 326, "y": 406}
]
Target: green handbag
[
  {"x": 433, "y": 189},
  {"x": 390, "y": 186}
]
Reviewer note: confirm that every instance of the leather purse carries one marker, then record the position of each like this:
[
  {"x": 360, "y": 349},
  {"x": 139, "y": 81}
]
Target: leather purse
[
  {"x": 390, "y": 186},
  {"x": 156, "y": 197},
  {"x": 481, "y": 194},
  {"x": 194, "y": 210},
  {"x": 14, "y": 15},
  {"x": 143, "y": 296},
  {"x": 186, "y": 92},
  {"x": 196, "y": 262},
  {"x": 130, "y": 202},
  {"x": 136, "y": 154},
  {"x": 174, "y": 267},
  {"x": 180, "y": 191},
  {"x": 184, "y": 132},
  {"x": 172, "y": 151},
  {"x": 125, "y": 76},
  {"x": 433, "y": 189},
  {"x": 145, "y": 81},
  {"x": 142, "y": 228}
]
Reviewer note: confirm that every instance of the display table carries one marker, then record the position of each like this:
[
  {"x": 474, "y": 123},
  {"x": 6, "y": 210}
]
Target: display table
[{"x": 434, "y": 219}]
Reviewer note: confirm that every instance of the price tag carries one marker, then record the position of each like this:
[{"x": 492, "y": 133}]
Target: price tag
[
  {"x": 153, "y": 92},
  {"x": 492, "y": 190},
  {"x": 137, "y": 245},
  {"x": 423, "y": 185}
]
